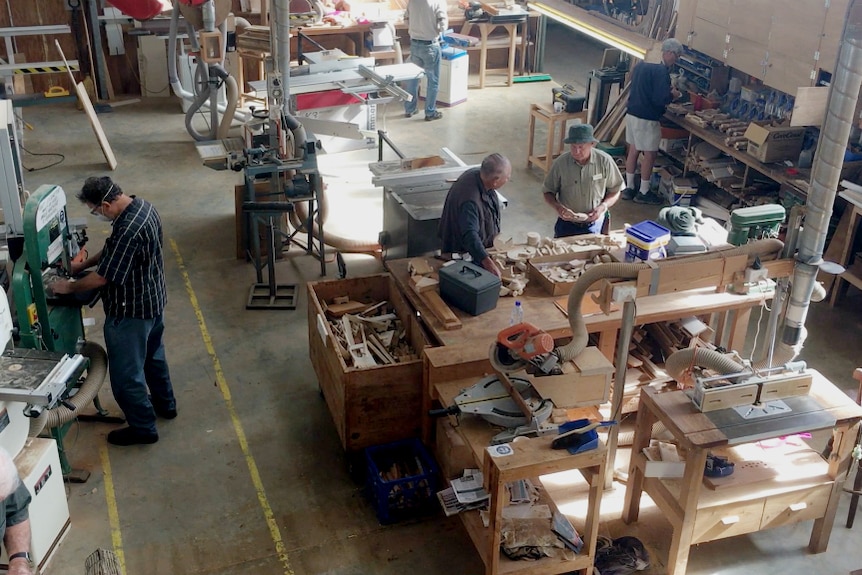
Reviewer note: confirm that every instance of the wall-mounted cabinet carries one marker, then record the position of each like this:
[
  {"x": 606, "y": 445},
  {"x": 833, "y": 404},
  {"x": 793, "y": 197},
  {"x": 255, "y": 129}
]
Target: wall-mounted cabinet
[{"x": 783, "y": 44}]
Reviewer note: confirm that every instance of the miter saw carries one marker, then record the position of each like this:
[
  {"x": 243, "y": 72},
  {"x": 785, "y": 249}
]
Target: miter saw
[
  {"x": 494, "y": 399},
  {"x": 512, "y": 402},
  {"x": 524, "y": 346}
]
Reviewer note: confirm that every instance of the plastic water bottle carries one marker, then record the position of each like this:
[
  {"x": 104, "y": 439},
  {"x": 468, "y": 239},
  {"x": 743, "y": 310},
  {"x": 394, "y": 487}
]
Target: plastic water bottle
[{"x": 517, "y": 314}]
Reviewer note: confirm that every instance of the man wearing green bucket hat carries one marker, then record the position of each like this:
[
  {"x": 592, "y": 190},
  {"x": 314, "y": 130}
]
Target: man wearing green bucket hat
[{"x": 582, "y": 185}]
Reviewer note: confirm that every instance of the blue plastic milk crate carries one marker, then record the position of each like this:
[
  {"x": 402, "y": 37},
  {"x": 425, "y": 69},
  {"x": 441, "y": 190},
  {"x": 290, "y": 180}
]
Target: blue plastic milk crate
[
  {"x": 646, "y": 241},
  {"x": 401, "y": 480}
]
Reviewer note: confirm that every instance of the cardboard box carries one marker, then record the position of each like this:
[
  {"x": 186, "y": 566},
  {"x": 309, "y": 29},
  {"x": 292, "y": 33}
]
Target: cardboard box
[
  {"x": 537, "y": 264},
  {"x": 774, "y": 143},
  {"x": 672, "y": 145}
]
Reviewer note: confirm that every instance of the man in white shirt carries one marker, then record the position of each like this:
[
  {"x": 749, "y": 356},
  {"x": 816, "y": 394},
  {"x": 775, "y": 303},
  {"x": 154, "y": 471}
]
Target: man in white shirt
[{"x": 427, "y": 20}]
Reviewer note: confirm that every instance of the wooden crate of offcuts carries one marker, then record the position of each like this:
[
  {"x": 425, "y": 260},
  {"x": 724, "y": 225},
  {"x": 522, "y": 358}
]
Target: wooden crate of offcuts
[{"x": 369, "y": 405}]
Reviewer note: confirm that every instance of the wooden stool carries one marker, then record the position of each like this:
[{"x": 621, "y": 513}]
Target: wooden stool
[{"x": 554, "y": 142}]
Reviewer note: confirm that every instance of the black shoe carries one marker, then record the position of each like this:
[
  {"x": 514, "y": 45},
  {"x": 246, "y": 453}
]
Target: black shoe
[
  {"x": 132, "y": 436},
  {"x": 165, "y": 413},
  {"x": 628, "y": 194},
  {"x": 409, "y": 114},
  {"x": 435, "y": 115},
  {"x": 649, "y": 198}
]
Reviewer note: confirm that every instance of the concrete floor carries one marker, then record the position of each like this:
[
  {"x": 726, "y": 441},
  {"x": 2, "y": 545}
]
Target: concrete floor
[{"x": 251, "y": 478}]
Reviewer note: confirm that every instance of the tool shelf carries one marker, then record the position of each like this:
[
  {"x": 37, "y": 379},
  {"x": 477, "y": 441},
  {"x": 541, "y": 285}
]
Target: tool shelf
[{"x": 531, "y": 459}]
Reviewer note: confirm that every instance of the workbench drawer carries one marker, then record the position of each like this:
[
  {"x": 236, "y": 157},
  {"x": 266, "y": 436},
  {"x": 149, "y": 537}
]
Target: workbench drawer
[
  {"x": 796, "y": 506},
  {"x": 727, "y": 520},
  {"x": 372, "y": 405}
]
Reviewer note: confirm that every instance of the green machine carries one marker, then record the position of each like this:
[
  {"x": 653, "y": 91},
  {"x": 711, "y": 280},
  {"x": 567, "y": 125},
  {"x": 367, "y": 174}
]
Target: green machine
[
  {"x": 755, "y": 223},
  {"x": 50, "y": 328}
]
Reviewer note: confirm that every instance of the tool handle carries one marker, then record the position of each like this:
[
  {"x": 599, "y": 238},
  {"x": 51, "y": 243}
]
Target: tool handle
[{"x": 451, "y": 410}]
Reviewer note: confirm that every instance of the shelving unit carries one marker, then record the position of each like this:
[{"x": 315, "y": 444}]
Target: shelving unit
[
  {"x": 708, "y": 73},
  {"x": 531, "y": 458}
]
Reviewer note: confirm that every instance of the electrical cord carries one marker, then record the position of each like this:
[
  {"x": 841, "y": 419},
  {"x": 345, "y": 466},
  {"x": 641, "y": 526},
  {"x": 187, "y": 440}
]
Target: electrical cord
[{"x": 60, "y": 161}]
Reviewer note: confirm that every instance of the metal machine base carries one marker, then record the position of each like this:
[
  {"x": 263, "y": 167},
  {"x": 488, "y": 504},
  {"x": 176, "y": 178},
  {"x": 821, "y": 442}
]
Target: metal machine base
[{"x": 261, "y": 296}]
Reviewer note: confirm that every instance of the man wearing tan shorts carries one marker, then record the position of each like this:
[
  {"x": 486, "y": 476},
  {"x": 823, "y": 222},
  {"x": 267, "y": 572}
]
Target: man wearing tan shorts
[{"x": 650, "y": 94}]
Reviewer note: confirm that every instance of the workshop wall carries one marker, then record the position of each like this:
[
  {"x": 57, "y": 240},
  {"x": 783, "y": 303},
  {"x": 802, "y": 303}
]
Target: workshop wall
[{"x": 122, "y": 69}]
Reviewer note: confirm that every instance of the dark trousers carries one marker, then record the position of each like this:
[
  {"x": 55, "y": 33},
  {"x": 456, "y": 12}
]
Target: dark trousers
[
  {"x": 139, "y": 368},
  {"x": 564, "y": 228}
]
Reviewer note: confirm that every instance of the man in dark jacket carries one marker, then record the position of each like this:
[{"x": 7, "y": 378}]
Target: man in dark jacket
[
  {"x": 471, "y": 213},
  {"x": 650, "y": 94}
]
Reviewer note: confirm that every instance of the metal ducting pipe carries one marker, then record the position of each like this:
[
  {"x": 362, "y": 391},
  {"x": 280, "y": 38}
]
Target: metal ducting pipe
[
  {"x": 86, "y": 393},
  {"x": 228, "y": 110},
  {"x": 764, "y": 249},
  {"x": 826, "y": 173}
]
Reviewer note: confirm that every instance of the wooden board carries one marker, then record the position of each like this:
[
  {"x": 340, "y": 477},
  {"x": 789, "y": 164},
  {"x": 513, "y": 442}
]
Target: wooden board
[
  {"x": 440, "y": 310},
  {"x": 591, "y": 361},
  {"x": 588, "y": 306},
  {"x": 691, "y": 275},
  {"x": 84, "y": 98}
]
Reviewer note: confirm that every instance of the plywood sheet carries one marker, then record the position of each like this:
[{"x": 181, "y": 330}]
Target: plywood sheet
[
  {"x": 796, "y": 28},
  {"x": 809, "y": 108},
  {"x": 789, "y": 74},
  {"x": 747, "y": 55},
  {"x": 750, "y": 18},
  {"x": 715, "y": 11},
  {"x": 709, "y": 38},
  {"x": 833, "y": 28}
]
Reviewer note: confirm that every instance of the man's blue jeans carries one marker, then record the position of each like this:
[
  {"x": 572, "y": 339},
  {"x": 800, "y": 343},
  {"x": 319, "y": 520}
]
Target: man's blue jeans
[
  {"x": 136, "y": 363},
  {"x": 427, "y": 57}
]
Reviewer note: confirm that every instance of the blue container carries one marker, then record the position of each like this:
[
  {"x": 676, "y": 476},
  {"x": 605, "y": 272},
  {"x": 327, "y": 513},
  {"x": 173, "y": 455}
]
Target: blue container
[
  {"x": 452, "y": 53},
  {"x": 413, "y": 492},
  {"x": 646, "y": 241}
]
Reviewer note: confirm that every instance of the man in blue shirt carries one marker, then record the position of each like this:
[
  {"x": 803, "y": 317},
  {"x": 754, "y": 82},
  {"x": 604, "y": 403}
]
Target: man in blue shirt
[
  {"x": 471, "y": 213},
  {"x": 131, "y": 276},
  {"x": 649, "y": 95}
]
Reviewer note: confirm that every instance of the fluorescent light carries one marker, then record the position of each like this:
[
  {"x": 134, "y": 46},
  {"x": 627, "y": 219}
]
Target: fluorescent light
[{"x": 590, "y": 30}]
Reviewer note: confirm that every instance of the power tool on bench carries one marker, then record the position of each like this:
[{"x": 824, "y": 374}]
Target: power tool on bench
[{"x": 523, "y": 346}]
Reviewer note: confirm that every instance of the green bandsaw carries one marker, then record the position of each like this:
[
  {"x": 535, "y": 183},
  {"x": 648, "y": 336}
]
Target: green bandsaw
[{"x": 51, "y": 328}]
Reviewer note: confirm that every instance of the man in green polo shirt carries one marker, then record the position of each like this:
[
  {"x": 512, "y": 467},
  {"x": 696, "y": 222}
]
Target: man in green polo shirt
[{"x": 582, "y": 185}]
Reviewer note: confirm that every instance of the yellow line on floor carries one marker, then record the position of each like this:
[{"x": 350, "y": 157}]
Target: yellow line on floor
[
  {"x": 113, "y": 513},
  {"x": 274, "y": 532}
]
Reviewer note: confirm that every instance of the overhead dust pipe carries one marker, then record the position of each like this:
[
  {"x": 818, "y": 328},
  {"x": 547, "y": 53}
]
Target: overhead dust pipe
[
  {"x": 203, "y": 76},
  {"x": 826, "y": 173}
]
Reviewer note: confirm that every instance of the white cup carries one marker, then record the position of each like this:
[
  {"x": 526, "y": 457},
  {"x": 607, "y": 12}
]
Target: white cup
[{"x": 558, "y": 107}]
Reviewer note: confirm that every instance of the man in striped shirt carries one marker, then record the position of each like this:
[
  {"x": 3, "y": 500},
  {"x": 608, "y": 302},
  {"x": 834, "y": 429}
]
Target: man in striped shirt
[{"x": 131, "y": 277}]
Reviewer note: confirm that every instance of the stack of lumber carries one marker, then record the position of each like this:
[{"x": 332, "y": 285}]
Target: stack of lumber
[
  {"x": 254, "y": 38},
  {"x": 612, "y": 127},
  {"x": 368, "y": 335}
]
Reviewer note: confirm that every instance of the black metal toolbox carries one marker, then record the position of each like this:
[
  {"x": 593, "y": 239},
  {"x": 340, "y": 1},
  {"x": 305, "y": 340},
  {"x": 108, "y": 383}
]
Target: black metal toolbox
[{"x": 469, "y": 287}]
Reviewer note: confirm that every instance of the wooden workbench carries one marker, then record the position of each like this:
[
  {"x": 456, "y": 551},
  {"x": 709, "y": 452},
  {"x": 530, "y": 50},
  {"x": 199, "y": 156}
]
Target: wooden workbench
[
  {"x": 699, "y": 514},
  {"x": 530, "y": 459},
  {"x": 731, "y": 315}
]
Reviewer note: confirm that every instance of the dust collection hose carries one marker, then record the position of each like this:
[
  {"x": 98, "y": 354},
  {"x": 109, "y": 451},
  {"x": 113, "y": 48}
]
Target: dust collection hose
[
  {"x": 61, "y": 414},
  {"x": 764, "y": 249}
]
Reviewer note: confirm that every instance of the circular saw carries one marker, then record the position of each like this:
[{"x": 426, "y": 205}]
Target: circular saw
[
  {"x": 490, "y": 399},
  {"x": 520, "y": 346}
]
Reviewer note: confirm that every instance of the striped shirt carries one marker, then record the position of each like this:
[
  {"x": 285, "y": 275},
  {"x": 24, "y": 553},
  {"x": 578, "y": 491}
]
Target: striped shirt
[{"x": 132, "y": 263}]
